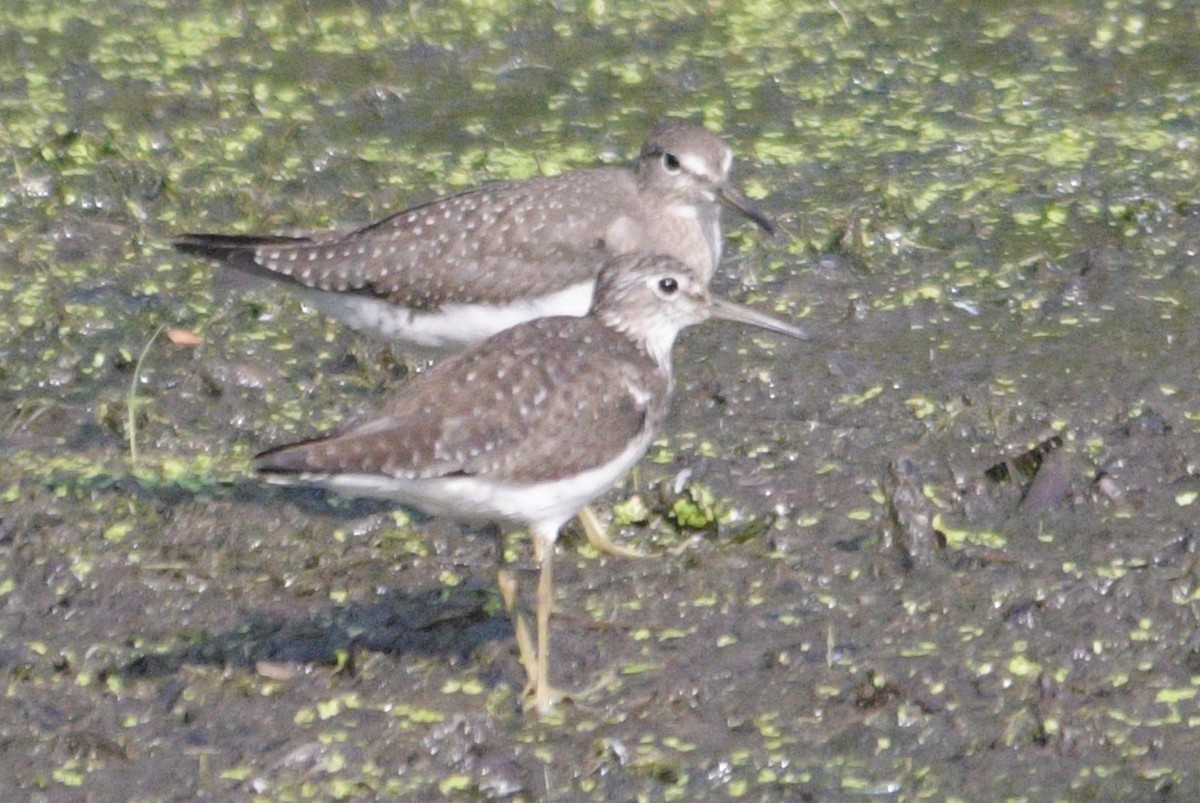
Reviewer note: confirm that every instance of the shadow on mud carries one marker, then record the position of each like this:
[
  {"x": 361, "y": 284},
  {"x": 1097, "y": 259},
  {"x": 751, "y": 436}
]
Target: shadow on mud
[{"x": 452, "y": 621}]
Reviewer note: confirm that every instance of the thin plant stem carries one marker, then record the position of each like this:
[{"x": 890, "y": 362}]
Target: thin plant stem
[{"x": 131, "y": 401}]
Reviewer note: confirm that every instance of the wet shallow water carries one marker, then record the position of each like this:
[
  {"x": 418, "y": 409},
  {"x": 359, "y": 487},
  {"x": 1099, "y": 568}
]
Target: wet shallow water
[{"x": 991, "y": 228}]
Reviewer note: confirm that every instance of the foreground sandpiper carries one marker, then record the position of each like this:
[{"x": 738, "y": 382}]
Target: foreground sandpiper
[
  {"x": 454, "y": 271},
  {"x": 530, "y": 425}
]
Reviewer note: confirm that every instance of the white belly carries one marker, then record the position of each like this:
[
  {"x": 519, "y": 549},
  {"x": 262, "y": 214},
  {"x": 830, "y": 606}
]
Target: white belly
[
  {"x": 544, "y": 507},
  {"x": 452, "y": 326}
]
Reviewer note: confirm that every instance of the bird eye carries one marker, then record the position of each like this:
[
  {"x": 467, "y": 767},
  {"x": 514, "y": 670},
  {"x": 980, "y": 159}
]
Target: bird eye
[
  {"x": 671, "y": 163},
  {"x": 668, "y": 285}
]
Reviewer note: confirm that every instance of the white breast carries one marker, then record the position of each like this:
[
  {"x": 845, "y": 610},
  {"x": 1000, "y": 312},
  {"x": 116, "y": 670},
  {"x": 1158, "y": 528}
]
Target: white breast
[{"x": 451, "y": 326}]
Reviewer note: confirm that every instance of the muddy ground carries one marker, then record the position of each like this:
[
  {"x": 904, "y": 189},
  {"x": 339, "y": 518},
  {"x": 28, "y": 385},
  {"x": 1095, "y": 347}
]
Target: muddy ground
[{"x": 947, "y": 550}]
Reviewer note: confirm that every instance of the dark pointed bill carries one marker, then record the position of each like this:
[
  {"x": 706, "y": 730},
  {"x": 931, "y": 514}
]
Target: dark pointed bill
[
  {"x": 724, "y": 310},
  {"x": 733, "y": 198}
]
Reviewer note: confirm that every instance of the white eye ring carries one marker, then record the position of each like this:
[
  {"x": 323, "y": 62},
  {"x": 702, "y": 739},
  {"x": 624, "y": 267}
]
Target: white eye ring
[
  {"x": 667, "y": 286},
  {"x": 671, "y": 164}
]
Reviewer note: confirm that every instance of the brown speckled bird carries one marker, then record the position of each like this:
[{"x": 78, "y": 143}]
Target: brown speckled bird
[
  {"x": 457, "y": 270},
  {"x": 530, "y": 425}
]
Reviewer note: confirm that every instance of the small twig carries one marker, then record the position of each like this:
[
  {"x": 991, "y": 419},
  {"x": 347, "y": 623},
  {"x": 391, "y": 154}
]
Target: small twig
[
  {"x": 830, "y": 646},
  {"x": 131, "y": 401},
  {"x": 842, "y": 14}
]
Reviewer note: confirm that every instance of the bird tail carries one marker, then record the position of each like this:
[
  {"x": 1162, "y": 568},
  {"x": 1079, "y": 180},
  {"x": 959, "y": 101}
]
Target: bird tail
[
  {"x": 289, "y": 459},
  {"x": 238, "y": 251},
  {"x": 225, "y": 247}
]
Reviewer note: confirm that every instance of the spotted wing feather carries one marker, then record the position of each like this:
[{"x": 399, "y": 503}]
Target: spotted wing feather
[
  {"x": 522, "y": 407},
  {"x": 493, "y": 244}
]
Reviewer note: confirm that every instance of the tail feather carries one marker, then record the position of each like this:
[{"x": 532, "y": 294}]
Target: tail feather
[
  {"x": 237, "y": 250},
  {"x": 226, "y": 246},
  {"x": 289, "y": 459}
]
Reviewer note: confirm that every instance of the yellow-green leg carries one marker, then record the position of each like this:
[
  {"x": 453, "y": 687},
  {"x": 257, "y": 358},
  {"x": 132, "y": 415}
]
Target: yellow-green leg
[
  {"x": 597, "y": 535},
  {"x": 508, "y": 594},
  {"x": 534, "y": 657},
  {"x": 544, "y": 695}
]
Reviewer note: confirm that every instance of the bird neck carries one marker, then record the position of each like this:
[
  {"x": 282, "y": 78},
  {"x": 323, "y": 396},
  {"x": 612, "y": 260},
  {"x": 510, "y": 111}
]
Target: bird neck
[{"x": 654, "y": 338}]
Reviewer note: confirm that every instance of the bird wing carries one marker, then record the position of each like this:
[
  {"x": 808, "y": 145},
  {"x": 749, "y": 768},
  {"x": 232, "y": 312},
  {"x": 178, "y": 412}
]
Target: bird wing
[
  {"x": 521, "y": 407},
  {"x": 494, "y": 244}
]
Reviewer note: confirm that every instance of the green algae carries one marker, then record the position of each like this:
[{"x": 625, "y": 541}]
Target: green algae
[{"x": 975, "y": 154}]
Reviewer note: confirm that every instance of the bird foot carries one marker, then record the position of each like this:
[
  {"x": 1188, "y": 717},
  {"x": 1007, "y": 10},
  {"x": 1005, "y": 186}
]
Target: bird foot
[
  {"x": 541, "y": 697},
  {"x": 597, "y": 536}
]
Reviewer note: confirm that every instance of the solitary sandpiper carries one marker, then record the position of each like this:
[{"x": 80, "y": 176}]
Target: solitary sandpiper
[
  {"x": 530, "y": 425},
  {"x": 456, "y": 270}
]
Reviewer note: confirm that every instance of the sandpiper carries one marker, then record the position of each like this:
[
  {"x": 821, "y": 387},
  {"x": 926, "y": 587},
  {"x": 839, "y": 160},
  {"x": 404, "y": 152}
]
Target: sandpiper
[
  {"x": 530, "y": 425},
  {"x": 454, "y": 271}
]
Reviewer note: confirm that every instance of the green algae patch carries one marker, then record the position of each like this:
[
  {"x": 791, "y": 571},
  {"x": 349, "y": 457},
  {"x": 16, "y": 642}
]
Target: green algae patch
[
  {"x": 986, "y": 237},
  {"x": 697, "y": 509},
  {"x": 958, "y": 537},
  {"x": 631, "y": 511}
]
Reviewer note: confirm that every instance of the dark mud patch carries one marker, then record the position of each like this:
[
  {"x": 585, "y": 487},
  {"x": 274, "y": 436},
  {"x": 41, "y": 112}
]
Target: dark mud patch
[{"x": 991, "y": 228}]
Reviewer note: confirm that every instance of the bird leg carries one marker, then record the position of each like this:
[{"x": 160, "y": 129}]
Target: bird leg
[
  {"x": 597, "y": 536},
  {"x": 544, "y": 695},
  {"x": 534, "y": 657},
  {"x": 508, "y": 594}
]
